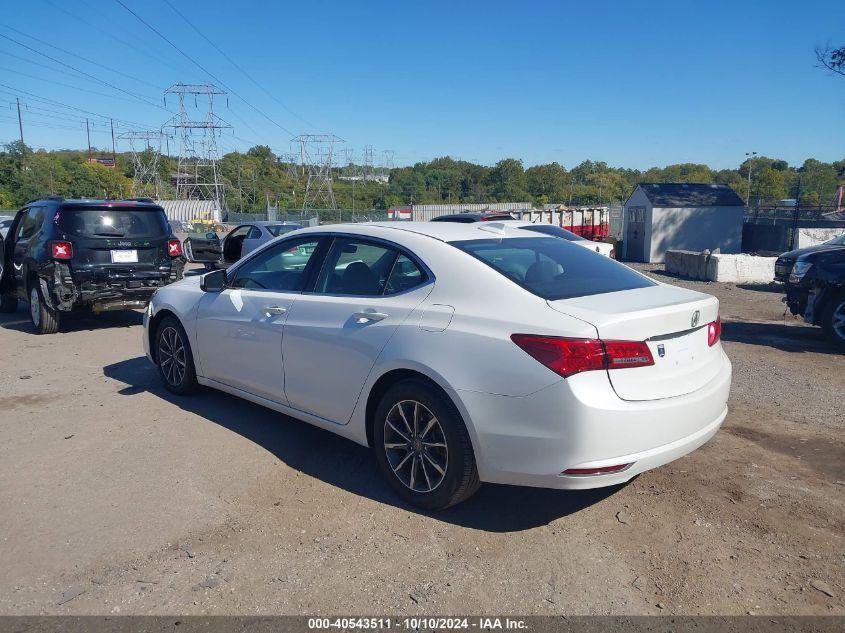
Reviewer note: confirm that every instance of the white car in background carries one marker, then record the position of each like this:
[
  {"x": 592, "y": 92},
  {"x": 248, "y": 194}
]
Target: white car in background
[
  {"x": 553, "y": 230},
  {"x": 5, "y": 223},
  {"x": 461, "y": 353}
]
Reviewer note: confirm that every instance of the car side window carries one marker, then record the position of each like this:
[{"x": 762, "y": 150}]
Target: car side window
[
  {"x": 404, "y": 276},
  {"x": 279, "y": 269},
  {"x": 254, "y": 233},
  {"x": 240, "y": 231},
  {"x": 30, "y": 222},
  {"x": 356, "y": 267}
]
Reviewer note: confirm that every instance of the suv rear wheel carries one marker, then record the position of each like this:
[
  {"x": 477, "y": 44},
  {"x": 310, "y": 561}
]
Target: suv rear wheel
[
  {"x": 833, "y": 321},
  {"x": 45, "y": 320}
]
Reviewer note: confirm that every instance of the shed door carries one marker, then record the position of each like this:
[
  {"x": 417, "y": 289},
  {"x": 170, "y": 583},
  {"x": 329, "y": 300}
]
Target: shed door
[{"x": 635, "y": 234}]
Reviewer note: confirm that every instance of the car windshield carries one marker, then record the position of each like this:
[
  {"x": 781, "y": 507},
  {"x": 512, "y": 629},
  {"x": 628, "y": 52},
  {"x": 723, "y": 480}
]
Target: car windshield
[
  {"x": 553, "y": 231},
  {"x": 552, "y": 268},
  {"x": 280, "y": 229},
  {"x": 837, "y": 241},
  {"x": 100, "y": 221}
]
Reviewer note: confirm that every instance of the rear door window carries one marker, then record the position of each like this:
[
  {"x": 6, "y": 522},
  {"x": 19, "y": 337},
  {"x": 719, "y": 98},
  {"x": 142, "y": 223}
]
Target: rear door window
[
  {"x": 120, "y": 222},
  {"x": 356, "y": 267},
  {"x": 552, "y": 268}
]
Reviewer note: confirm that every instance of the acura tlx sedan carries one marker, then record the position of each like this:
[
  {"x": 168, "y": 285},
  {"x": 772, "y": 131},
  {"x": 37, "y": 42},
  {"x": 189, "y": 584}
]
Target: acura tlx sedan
[{"x": 461, "y": 353}]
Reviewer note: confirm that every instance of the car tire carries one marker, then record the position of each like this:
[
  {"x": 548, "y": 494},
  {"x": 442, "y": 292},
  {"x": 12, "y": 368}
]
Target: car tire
[
  {"x": 44, "y": 319},
  {"x": 174, "y": 358},
  {"x": 433, "y": 474},
  {"x": 8, "y": 304},
  {"x": 833, "y": 321}
]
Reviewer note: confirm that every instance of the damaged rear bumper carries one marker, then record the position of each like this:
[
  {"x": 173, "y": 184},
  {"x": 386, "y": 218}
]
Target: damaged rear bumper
[{"x": 104, "y": 291}]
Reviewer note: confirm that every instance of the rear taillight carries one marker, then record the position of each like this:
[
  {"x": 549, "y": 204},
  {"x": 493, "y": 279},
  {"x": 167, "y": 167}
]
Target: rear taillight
[
  {"x": 624, "y": 354},
  {"x": 612, "y": 253},
  {"x": 61, "y": 250},
  {"x": 568, "y": 356},
  {"x": 714, "y": 331},
  {"x": 174, "y": 248}
]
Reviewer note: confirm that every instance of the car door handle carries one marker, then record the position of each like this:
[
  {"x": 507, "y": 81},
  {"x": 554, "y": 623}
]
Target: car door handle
[
  {"x": 275, "y": 310},
  {"x": 362, "y": 317}
]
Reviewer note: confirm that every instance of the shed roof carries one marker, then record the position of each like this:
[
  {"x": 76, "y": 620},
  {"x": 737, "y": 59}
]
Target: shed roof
[{"x": 693, "y": 194}]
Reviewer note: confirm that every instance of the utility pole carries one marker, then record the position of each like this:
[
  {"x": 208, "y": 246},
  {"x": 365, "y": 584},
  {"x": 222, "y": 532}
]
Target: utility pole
[
  {"x": 113, "y": 146},
  {"x": 20, "y": 123},
  {"x": 88, "y": 132},
  {"x": 751, "y": 156}
]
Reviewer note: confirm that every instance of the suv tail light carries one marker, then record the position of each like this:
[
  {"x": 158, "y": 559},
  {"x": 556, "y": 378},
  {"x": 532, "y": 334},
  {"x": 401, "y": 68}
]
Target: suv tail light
[
  {"x": 61, "y": 250},
  {"x": 714, "y": 331},
  {"x": 568, "y": 356},
  {"x": 174, "y": 248}
]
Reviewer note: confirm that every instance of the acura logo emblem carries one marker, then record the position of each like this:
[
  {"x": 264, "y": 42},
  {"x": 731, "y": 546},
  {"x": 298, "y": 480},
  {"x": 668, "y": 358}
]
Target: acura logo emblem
[{"x": 695, "y": 317}]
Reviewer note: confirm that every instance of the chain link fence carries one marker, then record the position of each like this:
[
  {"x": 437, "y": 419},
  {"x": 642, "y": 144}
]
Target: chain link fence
[{"x": 309, "y": 217}]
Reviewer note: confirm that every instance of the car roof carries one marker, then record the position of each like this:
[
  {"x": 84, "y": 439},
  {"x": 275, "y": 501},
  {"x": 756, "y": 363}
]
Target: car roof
[
  {"x": 442, "y": 231},
  {"x": 472, "y": 215},
  {"x": 521, "y": 223}
]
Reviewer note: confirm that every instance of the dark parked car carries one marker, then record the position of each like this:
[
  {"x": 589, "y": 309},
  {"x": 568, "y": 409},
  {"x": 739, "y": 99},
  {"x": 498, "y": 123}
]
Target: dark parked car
[
  {"x": 205, "y": 247},
  {"x": 99, "y": 255},
  {"x": 815, "y": 285},
  {"x": 484, "y": 216}
]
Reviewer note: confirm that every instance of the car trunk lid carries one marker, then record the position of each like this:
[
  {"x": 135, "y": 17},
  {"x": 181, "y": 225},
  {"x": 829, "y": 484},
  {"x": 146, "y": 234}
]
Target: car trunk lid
[{"x": 673, "y": 323}]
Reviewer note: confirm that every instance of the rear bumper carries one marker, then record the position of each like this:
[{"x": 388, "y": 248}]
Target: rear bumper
[
  {"x": 581, "y": 423},
  {"x": 68, "y": 291}
]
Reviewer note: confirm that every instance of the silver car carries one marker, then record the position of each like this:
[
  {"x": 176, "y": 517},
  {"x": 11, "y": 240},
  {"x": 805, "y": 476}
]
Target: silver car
[{"x": 245, "y": 238}]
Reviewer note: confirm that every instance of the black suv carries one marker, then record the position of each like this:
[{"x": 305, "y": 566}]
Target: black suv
[
  {"x": 815, "y": 285},
  {"x": 65, "y": 255}
]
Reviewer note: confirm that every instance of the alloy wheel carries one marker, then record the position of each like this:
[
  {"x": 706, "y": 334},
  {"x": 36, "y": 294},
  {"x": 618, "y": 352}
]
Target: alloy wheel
[
  {"x": 415, "y": 446},
  {"x": 35, "y": 306},
  {"x": 171, "y": 356},
  {"x": 838, "y": 321}
]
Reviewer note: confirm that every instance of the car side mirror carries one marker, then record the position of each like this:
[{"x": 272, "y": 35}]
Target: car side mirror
[{"x": 215, "y": 281}]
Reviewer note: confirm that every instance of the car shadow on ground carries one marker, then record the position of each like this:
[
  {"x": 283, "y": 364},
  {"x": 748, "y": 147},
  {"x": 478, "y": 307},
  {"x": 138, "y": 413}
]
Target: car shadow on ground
[
  {"x": 342, "y": 463},
  {"x": 789, "y": 338},
  {"x": 21, "y": 322}
]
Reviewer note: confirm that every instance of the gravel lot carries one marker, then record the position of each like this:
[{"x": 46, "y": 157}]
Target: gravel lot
[{"x": 116, "y": 497}]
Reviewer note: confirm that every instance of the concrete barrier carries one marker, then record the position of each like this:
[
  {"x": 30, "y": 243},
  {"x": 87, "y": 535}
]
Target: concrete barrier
[{"x": 706, "y": 266}]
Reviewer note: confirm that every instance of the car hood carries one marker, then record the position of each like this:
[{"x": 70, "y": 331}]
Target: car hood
[{"x": 808, "y": 250}]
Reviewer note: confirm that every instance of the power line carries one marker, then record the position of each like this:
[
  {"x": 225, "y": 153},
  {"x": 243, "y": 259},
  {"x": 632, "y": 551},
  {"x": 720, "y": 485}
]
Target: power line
[
  {"x": 60, "y": 83},
  {"x": 17, "y": 91},
  {"x": 201, "y": 67},
  {"x": 236, "y": 65},
  {"x": 85, "y": 59},
  {"x": 106, "y": 83},
  {"x": 106, "y": 31}
]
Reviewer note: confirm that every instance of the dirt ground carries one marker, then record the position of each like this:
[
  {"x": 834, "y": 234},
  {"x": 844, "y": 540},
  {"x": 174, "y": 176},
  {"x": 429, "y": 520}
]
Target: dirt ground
[{"x": 116, "y": 497}]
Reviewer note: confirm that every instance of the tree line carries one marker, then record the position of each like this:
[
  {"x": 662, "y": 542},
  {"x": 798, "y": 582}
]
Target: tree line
[{"x": 257, "y": 176}]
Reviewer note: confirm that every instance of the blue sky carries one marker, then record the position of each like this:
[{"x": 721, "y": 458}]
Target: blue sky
[{"x": 633, "y": 84}]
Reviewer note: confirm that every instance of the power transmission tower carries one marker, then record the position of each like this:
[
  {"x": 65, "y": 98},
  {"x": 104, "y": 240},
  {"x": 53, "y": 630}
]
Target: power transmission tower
[
  {"x": 198, "y": 177},
  {"x": 146, "y": 154},
  {"x": 388, "y": 159},
  {"x": 316, "y": 152},
  {"x": 291, "y": 160},
  {"x": 367, "y": 163}
]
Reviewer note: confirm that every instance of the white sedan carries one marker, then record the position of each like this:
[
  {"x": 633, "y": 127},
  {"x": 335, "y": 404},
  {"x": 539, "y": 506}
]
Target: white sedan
[
  {"x": 461, "y": 353},
  {"x": 553, "y": 230}
]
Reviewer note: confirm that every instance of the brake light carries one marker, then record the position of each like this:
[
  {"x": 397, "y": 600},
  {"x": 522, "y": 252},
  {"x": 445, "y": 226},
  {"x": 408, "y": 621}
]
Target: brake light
[
  {"x": 569, "y": 356},
  {"x": 61, "y": 250},
  {"x": 623, "y": 354},
  {"x": 714, "y": 331},
  {"x": 174, "y": 248}
]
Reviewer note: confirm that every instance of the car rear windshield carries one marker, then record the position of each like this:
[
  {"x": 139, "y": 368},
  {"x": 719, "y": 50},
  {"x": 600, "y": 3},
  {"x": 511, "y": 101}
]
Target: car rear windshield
[
  {"x": 280, "y": 229},
  {"x": 553, "y": 231},
  {"x": 552, "y": 268},
  {"x": 128, "y": 222}
]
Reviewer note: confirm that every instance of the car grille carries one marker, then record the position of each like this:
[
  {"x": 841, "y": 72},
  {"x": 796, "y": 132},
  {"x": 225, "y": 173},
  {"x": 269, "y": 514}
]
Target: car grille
[{"x": 783, "y": 267}]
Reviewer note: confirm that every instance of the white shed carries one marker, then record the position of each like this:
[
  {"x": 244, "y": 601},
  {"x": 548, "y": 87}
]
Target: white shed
[{"x": 680, "y": 216}]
